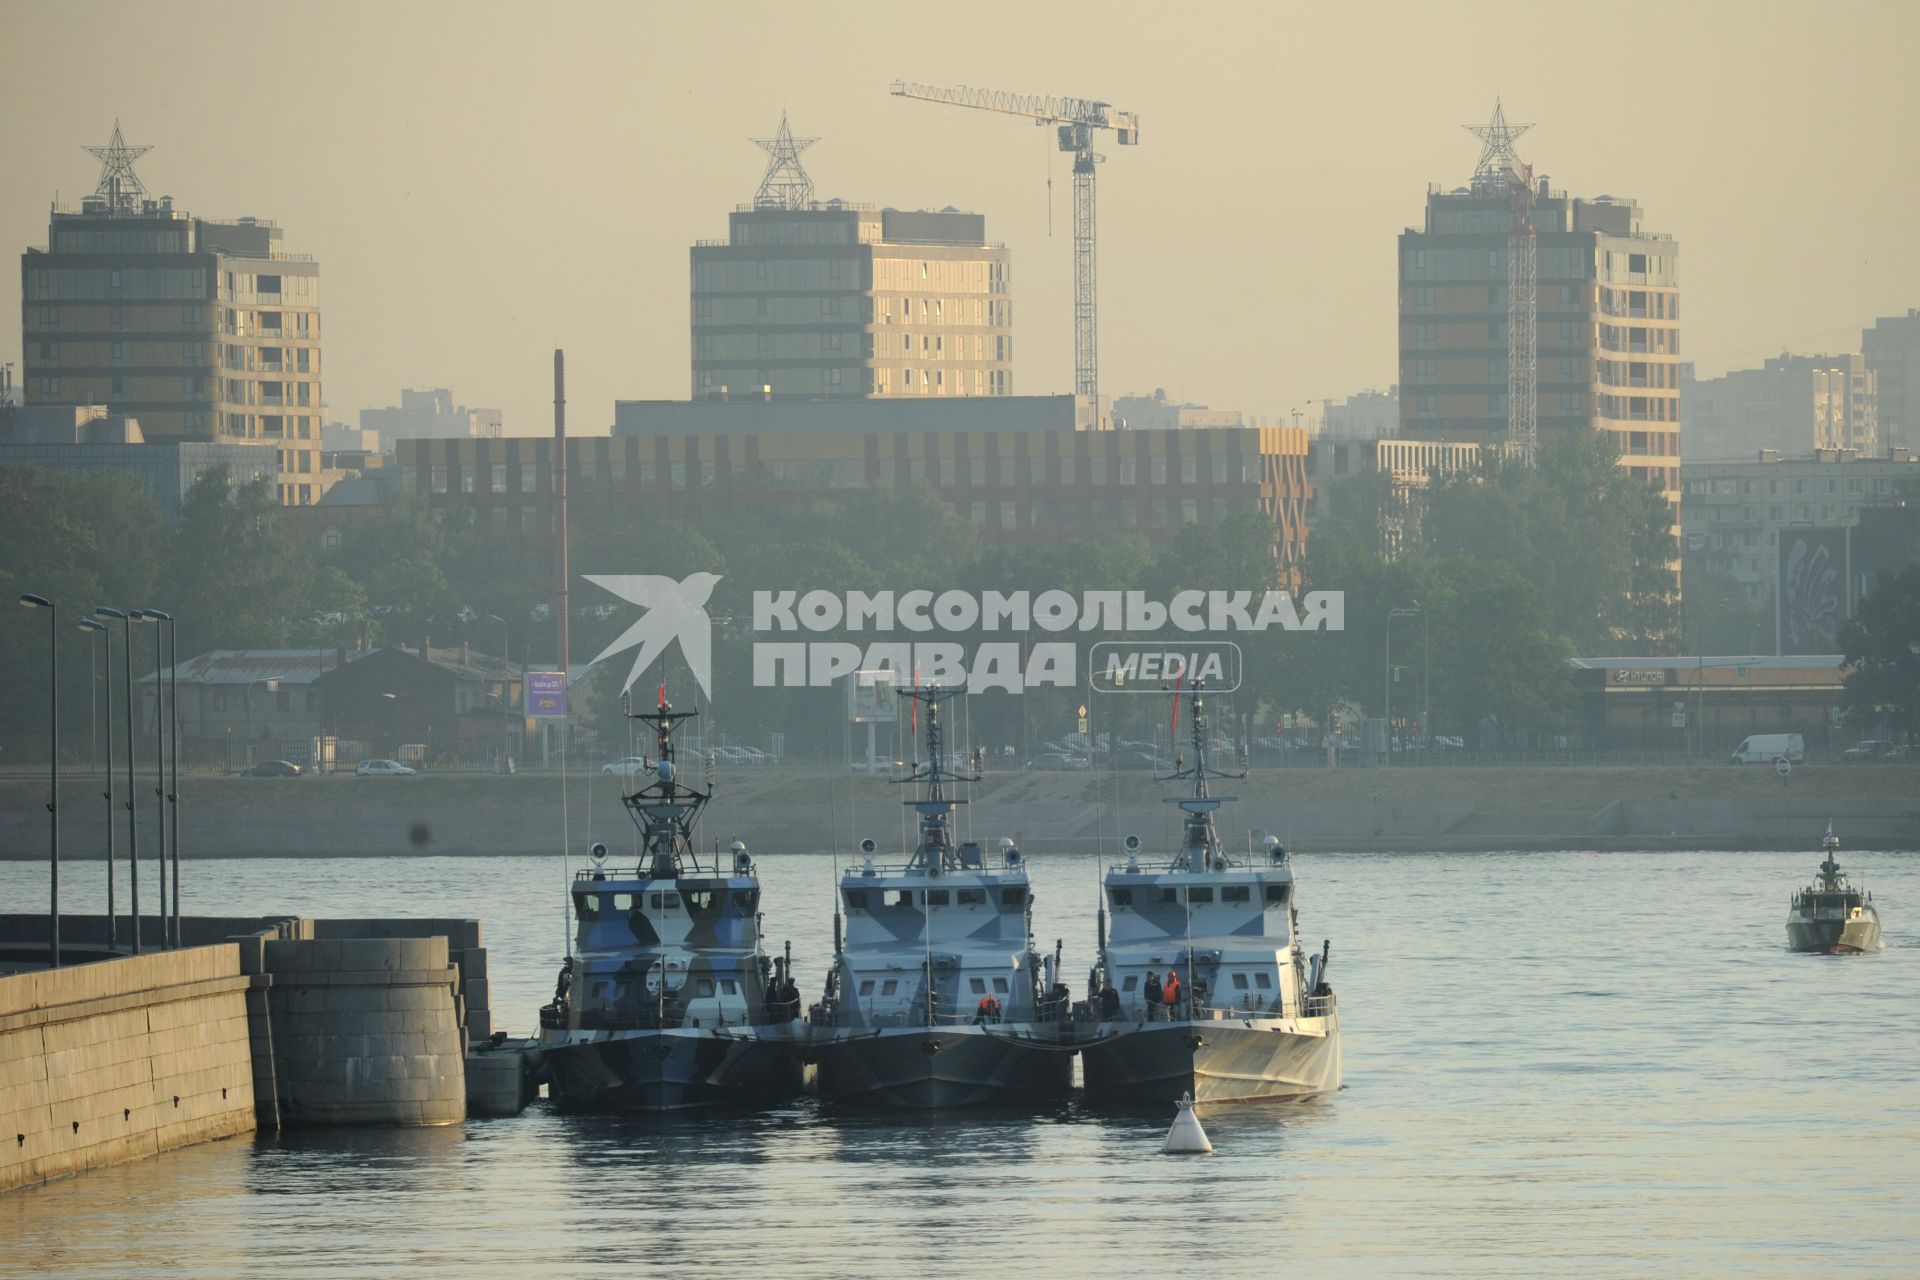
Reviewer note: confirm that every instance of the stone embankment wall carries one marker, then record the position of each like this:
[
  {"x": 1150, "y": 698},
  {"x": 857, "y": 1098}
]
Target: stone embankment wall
[
  {"x": 263, "y": 1023},
  {"x": 101, "y": 1063}
]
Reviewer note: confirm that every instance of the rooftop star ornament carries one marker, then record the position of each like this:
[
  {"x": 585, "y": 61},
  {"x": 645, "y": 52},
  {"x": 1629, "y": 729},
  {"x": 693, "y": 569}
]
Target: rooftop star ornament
[
  {"x": 1497, "y": 136},
  {"x": 786, "y": 185},
  {"x": 118, "y": 182}
]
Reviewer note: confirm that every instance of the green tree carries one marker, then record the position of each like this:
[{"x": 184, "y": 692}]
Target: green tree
[
  {"x": 241, "y": 578},
  {"x": 1881, "y": 644}
]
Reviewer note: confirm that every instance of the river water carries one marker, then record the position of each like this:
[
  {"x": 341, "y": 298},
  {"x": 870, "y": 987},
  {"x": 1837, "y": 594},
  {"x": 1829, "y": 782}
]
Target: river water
[{"x": 1559, "y": 1064}]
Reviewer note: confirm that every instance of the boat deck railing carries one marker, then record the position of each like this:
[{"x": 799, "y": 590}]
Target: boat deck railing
[{"x": 1192, "y": 1011}]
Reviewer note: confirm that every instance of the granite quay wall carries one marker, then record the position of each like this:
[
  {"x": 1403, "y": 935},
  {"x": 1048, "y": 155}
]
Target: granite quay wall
[{"x": 101, "y": 1063}]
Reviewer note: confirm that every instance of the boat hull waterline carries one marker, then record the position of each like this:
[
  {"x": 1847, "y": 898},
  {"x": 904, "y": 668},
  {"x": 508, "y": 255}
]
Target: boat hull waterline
[
  {"x": 674, "y": 1069},
  {"x": 1213, "y": 1061},
  {"x": 1835, "y": 937},
  {"x": 921, "y": 1068}
]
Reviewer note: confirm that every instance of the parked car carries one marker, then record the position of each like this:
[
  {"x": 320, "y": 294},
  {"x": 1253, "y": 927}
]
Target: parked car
[
  {"x": 627, "y": 767},
  {"x": 1872, "y": 750},
  {"x": 275, "y": 769},
  {"x": 382, "y": 769},
  {"x": 1135, "y": 760},
  {"x": 1056, "y": 762},
  {"x": 1447, "y": 742}
]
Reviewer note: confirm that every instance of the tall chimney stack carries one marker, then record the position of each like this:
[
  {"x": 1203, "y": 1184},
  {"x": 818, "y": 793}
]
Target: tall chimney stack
[{"x": 560, "y": 612}]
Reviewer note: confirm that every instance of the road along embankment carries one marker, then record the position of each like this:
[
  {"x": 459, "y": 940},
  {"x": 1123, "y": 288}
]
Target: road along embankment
[{"x": 782, "y": 809}]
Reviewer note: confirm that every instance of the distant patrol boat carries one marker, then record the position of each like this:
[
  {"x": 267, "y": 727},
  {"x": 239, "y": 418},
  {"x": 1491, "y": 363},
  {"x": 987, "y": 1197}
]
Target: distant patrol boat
[
  {"x": 668, "y": 999},
  {"x": 1830, "y": 915},
  {"x": 1250, "y": 1018},
  {"x": 936, "y": 987}
]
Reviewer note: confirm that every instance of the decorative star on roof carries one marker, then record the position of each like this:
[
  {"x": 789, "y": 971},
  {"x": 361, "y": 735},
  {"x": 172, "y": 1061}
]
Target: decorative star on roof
[
  {"x": 1497, "y": 156},
  {"x": 118, "y": 182},
  {"x": 786, "y": 185}
]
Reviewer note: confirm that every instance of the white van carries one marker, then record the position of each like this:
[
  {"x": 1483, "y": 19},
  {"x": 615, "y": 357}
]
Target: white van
[{"x": 1760, "y": 748}]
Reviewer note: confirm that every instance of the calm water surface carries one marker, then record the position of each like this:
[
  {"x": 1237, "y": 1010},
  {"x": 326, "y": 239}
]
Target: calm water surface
[{"x": 1556, "y": 1064}]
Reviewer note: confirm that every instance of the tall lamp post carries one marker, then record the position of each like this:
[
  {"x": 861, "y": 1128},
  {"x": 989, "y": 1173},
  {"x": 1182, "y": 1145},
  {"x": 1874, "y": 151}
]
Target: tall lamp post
[
  {"x": 156, "y": 617},
  {"x": 53, "y": 770},
  {"x": 97, "y": 627},
  {"x": 1387, "y": 702},
  {"x": 272, "y": 685},
  {"x": 506, "y": 688},
  {"x": 133, "y": 820}
]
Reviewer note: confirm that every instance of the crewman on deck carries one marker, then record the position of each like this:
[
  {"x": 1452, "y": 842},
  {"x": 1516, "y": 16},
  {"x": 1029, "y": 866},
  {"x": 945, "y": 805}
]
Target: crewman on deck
[
  {"x": 1170, "y": 995},
  {"x": 1109, "y": 1002},
  {"x": 1153, "y": 996}
]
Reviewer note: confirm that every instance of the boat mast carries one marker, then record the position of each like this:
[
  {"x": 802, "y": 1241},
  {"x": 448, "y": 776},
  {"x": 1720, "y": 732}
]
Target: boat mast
[{"x": 666, "y": 808}]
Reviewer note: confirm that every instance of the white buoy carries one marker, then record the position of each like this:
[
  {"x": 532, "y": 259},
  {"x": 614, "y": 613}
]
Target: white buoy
[{"x": 1186, "y": 1137}]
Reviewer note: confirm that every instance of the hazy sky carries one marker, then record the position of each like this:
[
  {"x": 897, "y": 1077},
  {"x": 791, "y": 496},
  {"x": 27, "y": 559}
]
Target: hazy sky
[{"x": 483, "y": 182}]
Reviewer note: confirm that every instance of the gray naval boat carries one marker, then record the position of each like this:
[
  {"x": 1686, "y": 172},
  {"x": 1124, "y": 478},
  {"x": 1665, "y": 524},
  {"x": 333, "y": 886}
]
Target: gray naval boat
[
  {"x": 936, "y": 997},
  {"x": 668, "y": 999},
  {"x": 1251, "y": 1018},
  {"x": 1831, "y": 915}
]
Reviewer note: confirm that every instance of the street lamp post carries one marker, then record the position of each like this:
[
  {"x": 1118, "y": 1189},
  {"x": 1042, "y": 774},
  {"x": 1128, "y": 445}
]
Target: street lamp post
[
  {"x": 1387, "y": 702},
  {"x": 506, "y": 689},
  {"x": 133, "y": 820},
  {"x": 95, "y": 626},
  {"x": 173, "y": 761},
  {"x": 53, "y": 771},
  {"x": 157, "y": 617}
]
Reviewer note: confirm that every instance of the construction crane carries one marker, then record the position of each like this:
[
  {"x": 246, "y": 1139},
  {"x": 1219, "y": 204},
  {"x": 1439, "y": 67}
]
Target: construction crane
[
  {"x": 1076, "y": 119},
  {"x": 1500, "y": 163}
]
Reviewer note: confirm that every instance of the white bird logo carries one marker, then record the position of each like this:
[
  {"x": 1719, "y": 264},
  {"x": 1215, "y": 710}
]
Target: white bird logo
[{"x": 672, "y": 609}]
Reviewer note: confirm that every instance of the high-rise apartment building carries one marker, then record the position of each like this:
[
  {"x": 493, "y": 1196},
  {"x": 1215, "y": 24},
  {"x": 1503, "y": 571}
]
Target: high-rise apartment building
[
  {"x": 812, "y": 299},
  {"x": 431, "y": 415},
  {"x": 1791, "y": 404},
  {"x": 1892, "y": 352},
  {"x": 201, "y": 330},
  {"x": 1607, "y": 319}
]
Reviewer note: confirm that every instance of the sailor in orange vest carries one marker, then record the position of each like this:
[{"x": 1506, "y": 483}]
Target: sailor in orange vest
[
  {"x": 1170, "y": 992},
  {"x": 987, "y": 1011}
]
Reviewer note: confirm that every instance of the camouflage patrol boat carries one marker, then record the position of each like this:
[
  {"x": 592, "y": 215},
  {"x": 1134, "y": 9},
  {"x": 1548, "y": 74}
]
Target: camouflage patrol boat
[
  {"x": 1830, "y": 915},
  {"x": 1251, "y": 1018},
  {"x": 668, "y": 999},
  {"x": 935, "y": 991}
]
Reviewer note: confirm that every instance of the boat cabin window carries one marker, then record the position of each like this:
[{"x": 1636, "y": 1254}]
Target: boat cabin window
[
  {"x": 1133, "y": 980},
  {"x": 1264, "y": 981},
  {"x": 744, "y": 900},
  {"x": 979, "y": 986},
  {"x": 970, "y": 897},
  {"x": 665, "y": 900},
  {"x": 1235, "y": 893},
  {"x": 587, "y": 905},
  {"x": 623, "y": 901},
  {"x": 1121, "y": 898},
  {"x": 856, "y": 899},
  {"x": 1013, "y": 897},
  {"x": 890, "y": 986},
  {"x": 703, "y": 987},
  {"x": 700, "y": 901},
  {"x": 1276, "y": 894},
  {"x": 1239, "y": 982},
  {"x": 728, "y": 987},
  {"x": 1000, "y": 985},
  {"x": 866, "y": 988},
  {"x": 1166, "y": 897},
  {"x": 1199, "y": 894},
  {"x": 936, "y": 897},
  {"x": 902, "y": 898}
]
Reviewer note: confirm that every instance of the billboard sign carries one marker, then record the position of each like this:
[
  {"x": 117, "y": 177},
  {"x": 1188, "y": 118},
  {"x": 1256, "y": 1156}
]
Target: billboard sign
[
  {"x": 546, "y": 693},
  {"x": 871, "y": 697}
]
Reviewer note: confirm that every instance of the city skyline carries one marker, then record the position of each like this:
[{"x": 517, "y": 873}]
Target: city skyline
[{"x": 519, "y": 188}]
